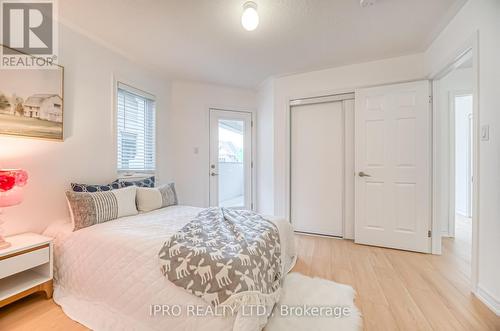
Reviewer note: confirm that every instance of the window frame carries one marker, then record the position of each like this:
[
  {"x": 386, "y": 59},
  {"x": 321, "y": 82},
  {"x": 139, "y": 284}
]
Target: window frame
[{"x": 120, "y": 85}]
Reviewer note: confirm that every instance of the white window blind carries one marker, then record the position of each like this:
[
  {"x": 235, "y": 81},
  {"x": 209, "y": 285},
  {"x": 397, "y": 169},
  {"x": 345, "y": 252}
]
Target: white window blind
[{"x": 135, "y": 130}]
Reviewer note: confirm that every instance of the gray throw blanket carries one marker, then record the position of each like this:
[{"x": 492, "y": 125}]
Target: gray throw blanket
[{"x": 229, "y": 257}]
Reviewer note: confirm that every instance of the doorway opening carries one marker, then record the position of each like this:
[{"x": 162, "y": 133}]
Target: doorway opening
[
  {"x": 456, "y": 138},
  {"x": 462, "y": 229},
  {"x": 461, "y": 158}
]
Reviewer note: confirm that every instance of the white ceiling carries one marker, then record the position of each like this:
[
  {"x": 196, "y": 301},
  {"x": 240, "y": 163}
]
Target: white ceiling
[{"x": 204, "y": 40}]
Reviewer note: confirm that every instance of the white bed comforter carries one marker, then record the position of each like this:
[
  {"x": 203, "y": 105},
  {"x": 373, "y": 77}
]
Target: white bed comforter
[{"x": 107, "y": 276}]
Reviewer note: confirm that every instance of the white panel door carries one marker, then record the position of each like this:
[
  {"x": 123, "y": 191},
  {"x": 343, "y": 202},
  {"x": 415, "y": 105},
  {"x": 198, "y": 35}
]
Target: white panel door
[
  {"x": 230, "y": 169},
  {"x": 317, "y": 168},
  {"x": 393, "y": 166}
]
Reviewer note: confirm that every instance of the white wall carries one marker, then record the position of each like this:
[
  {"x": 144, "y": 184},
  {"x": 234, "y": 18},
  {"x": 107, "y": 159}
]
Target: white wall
[
  {"x": 189, "y": 133},
  {"x": 88, "y": 153},
  {"x": 265, "y": 148},
  {"x": 482, "y": 17},
  {"x": 459, "y": 80},
  {"x": 324, "y": 82}
]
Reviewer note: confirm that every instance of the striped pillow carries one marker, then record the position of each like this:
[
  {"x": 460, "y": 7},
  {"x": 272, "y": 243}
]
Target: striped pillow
[{"x": 88, "y": 209}]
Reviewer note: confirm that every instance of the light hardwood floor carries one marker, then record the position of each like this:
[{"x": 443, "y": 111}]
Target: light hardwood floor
[{"x": 396, "y": 290}]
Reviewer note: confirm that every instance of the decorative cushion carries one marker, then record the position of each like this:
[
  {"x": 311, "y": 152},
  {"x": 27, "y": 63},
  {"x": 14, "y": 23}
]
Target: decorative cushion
[
  {"x": 149, "y": 199},
  {"x": 96, "y": 187},
  {"x": 93, "y": 208},
  {"x": 146, "y": 182}
]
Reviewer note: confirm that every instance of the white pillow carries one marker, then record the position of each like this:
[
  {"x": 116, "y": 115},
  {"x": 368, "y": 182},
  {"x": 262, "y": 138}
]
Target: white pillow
[
  {"x": 126, "y": 201},
  {"x": 149, "y": 199}
]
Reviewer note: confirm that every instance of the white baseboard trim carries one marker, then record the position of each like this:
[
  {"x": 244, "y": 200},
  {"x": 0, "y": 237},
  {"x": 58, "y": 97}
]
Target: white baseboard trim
[
  {"x": 445, "y": 234},
  {"x": 488, "y": 299}
]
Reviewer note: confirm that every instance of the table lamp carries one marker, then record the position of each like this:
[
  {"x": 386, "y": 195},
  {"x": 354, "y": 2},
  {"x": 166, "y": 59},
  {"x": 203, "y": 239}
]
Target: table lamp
[{"x": 12, "y": 182}]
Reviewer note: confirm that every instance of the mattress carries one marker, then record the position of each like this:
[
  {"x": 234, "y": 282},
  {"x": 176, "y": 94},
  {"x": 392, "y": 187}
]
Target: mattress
[{"x": 107, "y": 276}]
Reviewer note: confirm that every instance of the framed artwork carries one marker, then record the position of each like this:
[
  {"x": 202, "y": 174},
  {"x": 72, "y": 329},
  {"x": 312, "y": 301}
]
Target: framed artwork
[{"x": 32, "y": 102}]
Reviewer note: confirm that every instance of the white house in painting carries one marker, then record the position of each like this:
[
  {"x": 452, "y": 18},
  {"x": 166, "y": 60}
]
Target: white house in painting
[{"x": 44, "y": 106}]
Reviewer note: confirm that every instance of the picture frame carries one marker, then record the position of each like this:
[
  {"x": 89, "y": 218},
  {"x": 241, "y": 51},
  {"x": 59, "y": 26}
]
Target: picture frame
[{"x": 32, "y": 102}]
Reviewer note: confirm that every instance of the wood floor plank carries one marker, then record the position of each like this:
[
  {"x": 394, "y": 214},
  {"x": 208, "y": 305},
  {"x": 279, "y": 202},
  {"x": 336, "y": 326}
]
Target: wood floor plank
[
  {"x": 322, "y": 252},
  {"x": 367, "y": 285},
  {"x": 408, "y": 270},
  {"x": 379, "y": 258},
  {"x": 36, "y": 313},
  {"x": 406, "y": 312},
  {"x": 458, "y": 303},
  {"x": 435, "y": 311},
  {"x": 376, "y": 317},
  {"x": 341, "y": 266}
]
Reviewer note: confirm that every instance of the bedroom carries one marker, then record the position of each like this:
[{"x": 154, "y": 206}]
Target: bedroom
[{"x": 239, "y": 116}]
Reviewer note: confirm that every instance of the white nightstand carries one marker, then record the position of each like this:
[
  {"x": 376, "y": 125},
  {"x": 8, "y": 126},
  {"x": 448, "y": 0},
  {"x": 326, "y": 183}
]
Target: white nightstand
[{"x": 25, "y": 267}]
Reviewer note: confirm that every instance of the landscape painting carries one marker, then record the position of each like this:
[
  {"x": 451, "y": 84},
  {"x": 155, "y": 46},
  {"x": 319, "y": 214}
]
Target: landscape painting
[{"x": 31, "y": 103}]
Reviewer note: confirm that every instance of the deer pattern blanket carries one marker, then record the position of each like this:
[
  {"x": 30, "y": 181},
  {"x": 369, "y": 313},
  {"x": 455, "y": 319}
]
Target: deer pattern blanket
[{"x": 224, "y": 256}]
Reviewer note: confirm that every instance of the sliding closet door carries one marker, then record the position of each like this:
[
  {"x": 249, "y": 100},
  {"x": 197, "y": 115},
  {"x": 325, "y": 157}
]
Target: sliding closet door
[{"x": 317, "y": 168}]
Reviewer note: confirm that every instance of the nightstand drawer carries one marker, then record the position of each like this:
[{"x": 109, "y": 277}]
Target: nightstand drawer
[{"x": 21, "y": 261}]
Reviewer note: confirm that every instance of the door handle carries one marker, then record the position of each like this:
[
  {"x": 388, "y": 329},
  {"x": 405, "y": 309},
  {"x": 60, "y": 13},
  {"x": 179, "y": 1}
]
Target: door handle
[
  {"x": 362, "y": 174},
  {"x": 214, "y": 174}
]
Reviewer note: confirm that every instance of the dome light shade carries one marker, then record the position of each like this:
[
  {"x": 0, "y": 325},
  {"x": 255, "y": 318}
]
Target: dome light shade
[{"x": 250, "y": 17}]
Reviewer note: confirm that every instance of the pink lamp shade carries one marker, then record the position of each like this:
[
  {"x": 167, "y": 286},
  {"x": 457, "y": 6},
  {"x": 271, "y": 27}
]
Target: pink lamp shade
[{"x": 11, "y": 183}]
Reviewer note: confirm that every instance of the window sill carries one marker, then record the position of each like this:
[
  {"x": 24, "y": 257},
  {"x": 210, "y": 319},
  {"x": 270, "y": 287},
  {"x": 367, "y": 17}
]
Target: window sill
[{"x": 134, "y": 175}]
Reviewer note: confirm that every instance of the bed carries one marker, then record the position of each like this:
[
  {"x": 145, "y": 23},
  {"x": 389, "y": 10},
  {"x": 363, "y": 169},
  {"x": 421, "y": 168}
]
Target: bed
[{"x": 107, "y": 276}]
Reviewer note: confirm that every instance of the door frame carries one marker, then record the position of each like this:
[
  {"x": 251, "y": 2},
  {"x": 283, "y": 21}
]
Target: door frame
[
  {"x": 470, "y": 46},
  {"x": 253, "y": 151}
]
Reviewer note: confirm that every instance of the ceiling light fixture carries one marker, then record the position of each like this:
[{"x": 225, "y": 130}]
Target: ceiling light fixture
[
  {"x": 366, "y": 3},
  {"x": 250, "y": 17}
]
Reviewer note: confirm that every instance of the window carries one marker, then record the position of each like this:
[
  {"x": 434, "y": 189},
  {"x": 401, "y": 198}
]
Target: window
[{"x": 135, "y": 130}]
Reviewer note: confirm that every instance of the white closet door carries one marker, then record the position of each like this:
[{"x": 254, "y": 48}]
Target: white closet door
[{"x": 317, "y": 168}]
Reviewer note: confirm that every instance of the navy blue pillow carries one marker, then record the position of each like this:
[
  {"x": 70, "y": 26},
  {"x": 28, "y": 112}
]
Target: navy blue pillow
[
  {"x": 95, "y": 188},
  {"x": 146, "y": 182}
]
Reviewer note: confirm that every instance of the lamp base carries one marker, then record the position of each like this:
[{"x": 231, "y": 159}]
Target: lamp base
[{"x": 4, "y": 244}]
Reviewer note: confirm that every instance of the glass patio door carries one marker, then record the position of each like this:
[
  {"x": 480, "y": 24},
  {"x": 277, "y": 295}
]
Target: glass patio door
[{"x": 230, "y": 168}]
